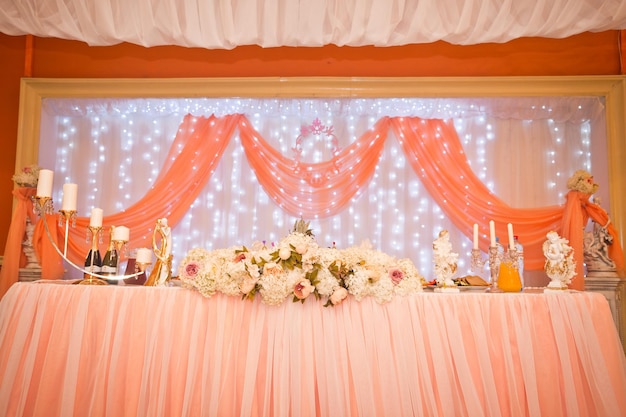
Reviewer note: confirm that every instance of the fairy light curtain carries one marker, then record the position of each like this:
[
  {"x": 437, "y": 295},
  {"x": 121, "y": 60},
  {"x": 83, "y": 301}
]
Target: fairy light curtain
[{"x": 348, "y": 165}]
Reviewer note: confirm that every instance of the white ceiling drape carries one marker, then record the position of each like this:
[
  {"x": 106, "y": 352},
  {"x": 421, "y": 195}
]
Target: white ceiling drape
[{"x": 225, "y": 24}]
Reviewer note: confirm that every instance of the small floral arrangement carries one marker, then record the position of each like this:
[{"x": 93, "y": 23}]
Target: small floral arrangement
[
  {"x": 28, "y": 176},
  {"x": 582, "y": 181},
  {"x": 298, "y": 269}
]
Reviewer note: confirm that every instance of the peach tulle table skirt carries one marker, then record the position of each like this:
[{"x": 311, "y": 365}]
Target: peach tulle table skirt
[{"x": 69, "y": 350}]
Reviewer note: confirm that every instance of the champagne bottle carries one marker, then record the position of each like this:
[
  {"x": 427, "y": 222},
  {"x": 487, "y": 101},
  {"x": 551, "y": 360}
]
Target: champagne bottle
[
  {"x": 109, "y": 264},
  {"x": 93, "y": 261}
]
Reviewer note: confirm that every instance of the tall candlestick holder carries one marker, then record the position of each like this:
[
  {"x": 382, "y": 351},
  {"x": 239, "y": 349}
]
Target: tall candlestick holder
[
  {"x": 494, "y": 262},
  {"x": 43, "y": 205},
  {"x": 142, "y": 266},
  {"x": 119, "y": 245},
  {"x": 66, "y": 218},
  {"x": 477, "y": 262}
]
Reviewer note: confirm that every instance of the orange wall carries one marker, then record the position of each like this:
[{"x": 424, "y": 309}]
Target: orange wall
[{"x": 585, "y": 54}]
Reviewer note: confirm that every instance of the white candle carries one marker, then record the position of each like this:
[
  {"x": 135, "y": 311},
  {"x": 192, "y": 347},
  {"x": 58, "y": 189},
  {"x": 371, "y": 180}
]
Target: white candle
[
  {"x": 121, "y": 233},
  {"x": 70, "y": 193},
  {"x": 96, "y": 217},
  {"x": 475, "y": 236},
  {"x": 144, "y": 256},
  {"x": 44, "y": 183},
  {"x": 511, "y": 238},
  {"x": 492, "y": 233}
]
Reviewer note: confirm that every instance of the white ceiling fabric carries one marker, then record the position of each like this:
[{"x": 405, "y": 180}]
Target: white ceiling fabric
[{"x": 225, "y": 24}]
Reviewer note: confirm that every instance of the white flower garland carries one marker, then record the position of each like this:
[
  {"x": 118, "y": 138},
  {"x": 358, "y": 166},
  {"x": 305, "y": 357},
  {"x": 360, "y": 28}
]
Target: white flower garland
[{"x": 298, "y": 268}]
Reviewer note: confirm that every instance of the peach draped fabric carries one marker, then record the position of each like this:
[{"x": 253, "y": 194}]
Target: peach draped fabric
[
  {"x": 195, "y": 152},
  {"x": 578, "y": 211},
  {"x": 45, "y": 233},
  {"x": 443, "y": 168},
  {"x": 122, "y": 351},
  {"x": 13, "y": 255},
  {"x": 314, "y": 190},
  {"x": 311, "y": 190}
]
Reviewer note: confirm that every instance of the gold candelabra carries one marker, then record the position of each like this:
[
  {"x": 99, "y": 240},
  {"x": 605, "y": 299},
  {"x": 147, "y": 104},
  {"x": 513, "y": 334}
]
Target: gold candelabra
[{"x": 44, "y": 205}]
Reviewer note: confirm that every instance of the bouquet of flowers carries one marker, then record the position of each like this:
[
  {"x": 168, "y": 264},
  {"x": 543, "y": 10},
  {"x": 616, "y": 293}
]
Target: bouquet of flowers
[
  {"x": 582, "y": 181},
  {"x": 298, "y": 268},
  {"x": 28, "y": 176}
]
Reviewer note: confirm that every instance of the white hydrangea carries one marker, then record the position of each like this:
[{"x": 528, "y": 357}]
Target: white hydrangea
[{"x": 362, "y": 271}]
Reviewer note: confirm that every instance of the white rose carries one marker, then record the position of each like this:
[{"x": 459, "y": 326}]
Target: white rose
[
  {"x": 373, "y": 275},
  {"x": 271, "y": 268},
  {"x": 338, "y": 295},
  {"x": 301, "y": 249},
  {"x": 284, "y": 253},
  {"x": 247, "y": 285}
]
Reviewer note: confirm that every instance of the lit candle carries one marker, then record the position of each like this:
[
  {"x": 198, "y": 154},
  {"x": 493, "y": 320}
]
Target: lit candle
[
  {"x": 121, "y": 234},
  {"x": 70, "y": 193},
  {"x": 144, "y": 256},
  {"x": 475, "y": 236},
  {"x": 492, "y": 233},
  {"x": 44, "y": 183},
  {"x": 96, "y": 217},
  {"x": 511, "y": 238}
]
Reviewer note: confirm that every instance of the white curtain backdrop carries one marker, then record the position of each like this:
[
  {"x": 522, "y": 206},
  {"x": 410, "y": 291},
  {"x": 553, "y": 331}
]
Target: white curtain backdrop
[
  {"x": 524, "y": 149},
  {"x": 225, "y": 24}
]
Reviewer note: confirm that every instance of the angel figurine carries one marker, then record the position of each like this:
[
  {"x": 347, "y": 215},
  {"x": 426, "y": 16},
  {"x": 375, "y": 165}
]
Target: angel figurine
[
  {"x": 445, "y": 263},
  {"x": 560, "y": 265},
  {"x": 162, "y": 271}
]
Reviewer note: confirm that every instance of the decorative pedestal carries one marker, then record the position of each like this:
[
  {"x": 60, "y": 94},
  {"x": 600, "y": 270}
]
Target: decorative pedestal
[
  {"x": 613, "y": 287},
  {"x": 29, "y": 274},
  {"x": 32, "y": 270}
]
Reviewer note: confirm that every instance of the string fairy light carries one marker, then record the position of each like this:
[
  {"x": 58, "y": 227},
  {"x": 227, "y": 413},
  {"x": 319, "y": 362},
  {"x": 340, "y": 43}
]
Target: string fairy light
[{"x": 393, "y": 211}]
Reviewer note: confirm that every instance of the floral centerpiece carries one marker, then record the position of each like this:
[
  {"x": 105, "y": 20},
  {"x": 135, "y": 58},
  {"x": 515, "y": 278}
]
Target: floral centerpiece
[
  {"x": 297, "y": 268},
  {"x": 582, "y": 181},
  {"x": 27, "y": 177}
]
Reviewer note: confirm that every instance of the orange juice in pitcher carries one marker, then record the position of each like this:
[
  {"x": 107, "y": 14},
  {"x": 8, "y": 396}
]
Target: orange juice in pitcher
[{"x": 508, "y": 277}]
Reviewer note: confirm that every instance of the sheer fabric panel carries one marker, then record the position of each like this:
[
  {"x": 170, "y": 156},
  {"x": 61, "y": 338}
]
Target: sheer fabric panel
[
  {"x": 394, "y": 211},
  {"x": 271, "y": 23}
]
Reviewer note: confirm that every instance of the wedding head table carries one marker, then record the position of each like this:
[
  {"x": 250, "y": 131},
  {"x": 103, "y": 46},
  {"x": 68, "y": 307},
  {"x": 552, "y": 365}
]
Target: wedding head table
[{"x": 73, "y": 350}]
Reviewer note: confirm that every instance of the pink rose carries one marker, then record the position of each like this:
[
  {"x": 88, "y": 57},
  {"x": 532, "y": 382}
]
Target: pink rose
[
  {"x": 303, "y": 288},
  {"x": 239, "y": 257},
  {"x": 338, "y": 295},
  {"x": 396, "y": 275},
  {"x": 191, "y": 270}
]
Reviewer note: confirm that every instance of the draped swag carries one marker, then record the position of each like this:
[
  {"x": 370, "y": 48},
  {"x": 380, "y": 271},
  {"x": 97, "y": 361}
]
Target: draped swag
[
  {"x": 271, "y": 23},
  {"x": 306, "y": 190}
]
